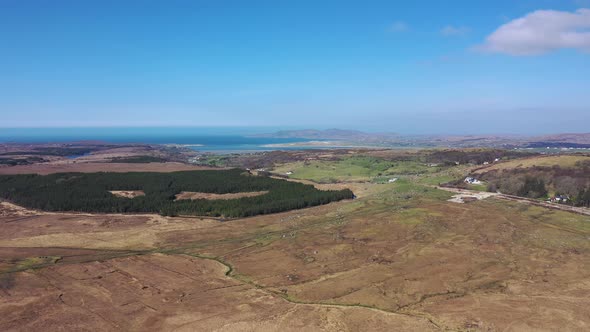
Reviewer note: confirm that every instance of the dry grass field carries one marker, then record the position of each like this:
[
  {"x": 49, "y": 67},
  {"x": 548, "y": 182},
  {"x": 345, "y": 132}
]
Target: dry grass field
[
  {"x": 398, "y": 258},
  {"x": 128, "y": 193},
  {"x": 548, "y": 161},
  {"x": 196, "y": 195}
]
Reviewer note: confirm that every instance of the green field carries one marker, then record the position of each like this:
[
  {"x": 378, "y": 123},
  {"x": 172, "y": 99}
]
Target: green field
[{"x": 356, "y": 168}]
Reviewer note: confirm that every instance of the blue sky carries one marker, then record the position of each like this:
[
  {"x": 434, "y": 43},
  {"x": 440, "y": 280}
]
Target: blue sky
[{"x": 411, "y": 67}]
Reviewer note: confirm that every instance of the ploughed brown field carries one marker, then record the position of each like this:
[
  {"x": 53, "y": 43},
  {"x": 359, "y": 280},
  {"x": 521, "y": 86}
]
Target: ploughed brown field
[{"x": 399, "y": 258}]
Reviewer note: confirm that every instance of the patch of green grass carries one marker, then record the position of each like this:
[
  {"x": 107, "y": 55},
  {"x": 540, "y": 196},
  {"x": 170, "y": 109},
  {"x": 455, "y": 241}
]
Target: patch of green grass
[
  {"x": 351, "y": 206},
  {"x": 411, "y": 216},
  {"x": 445, "y": 175},
  {"x": 355, "y": 168},
  {"x": 265, "y": 239},
  {"x": 412, "y": 168},
  {"x": 214, "y": 160},
  {"x": 478, "y": 187},
  {"x": 406, "y": 189},
  {"x": 381, "y": 179},
  {"x": 35, "y": 262},
  {"x": 348, "y": 169}
]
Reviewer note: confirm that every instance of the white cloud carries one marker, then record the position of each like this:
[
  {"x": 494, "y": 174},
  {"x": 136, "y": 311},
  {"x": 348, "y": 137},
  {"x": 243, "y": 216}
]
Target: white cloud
[
  {"x": 540, "y": 32},
  {"x": 398, "y": 26},
  {"x": 450, "y": 31}
]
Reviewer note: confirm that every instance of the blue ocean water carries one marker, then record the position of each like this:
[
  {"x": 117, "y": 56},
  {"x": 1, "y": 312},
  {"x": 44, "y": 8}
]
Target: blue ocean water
[{"x": 224, "y": 140}]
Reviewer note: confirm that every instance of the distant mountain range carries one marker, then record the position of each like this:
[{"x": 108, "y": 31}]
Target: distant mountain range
[
  {"x": 573, "y": 140},
  {"x": 583, "y": 138}
]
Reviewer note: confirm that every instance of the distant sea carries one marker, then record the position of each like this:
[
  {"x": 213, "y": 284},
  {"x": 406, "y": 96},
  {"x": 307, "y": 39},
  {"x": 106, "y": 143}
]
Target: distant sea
[{"x": 220, "y": 140}]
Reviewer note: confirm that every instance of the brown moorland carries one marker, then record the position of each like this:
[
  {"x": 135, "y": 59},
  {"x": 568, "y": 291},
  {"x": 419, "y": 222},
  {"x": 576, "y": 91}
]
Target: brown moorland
[{"x": 401, "y": 257}]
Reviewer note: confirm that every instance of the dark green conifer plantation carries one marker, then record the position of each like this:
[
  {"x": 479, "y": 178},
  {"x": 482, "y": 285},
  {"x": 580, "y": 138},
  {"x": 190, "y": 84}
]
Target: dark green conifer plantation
[{"x": 89, "y": 192}]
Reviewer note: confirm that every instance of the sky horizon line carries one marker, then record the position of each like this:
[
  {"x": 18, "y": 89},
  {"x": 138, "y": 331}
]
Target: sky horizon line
[
  {"x": 243, "y": 130},
  {"x": 415, "y": 67}
]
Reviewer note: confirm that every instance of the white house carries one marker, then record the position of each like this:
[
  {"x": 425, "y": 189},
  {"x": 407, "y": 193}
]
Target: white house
[{"x": 471, "y": 180}]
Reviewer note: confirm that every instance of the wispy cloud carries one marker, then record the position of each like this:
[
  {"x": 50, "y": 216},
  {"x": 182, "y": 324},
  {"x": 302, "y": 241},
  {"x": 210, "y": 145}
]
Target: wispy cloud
[
  {"x": 451, "y": 31},
  {"x": 541, "y": 32},
  {"x": 399, "y": 26}
]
